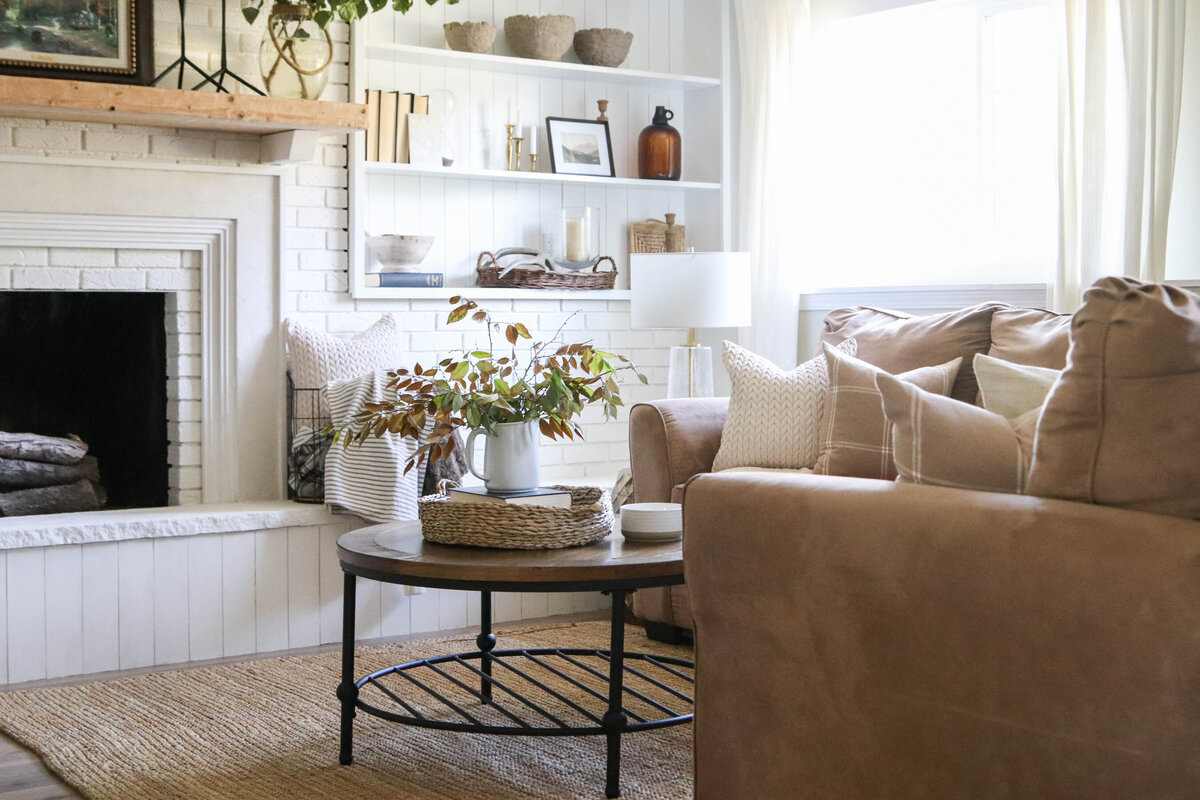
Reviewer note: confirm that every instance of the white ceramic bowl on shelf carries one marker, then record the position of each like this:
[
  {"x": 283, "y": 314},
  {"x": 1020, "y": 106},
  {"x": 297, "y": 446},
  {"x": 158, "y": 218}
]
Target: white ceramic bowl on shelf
[
  {"x": 652, "y": 522},
  {"x": 397, "y": 253}
]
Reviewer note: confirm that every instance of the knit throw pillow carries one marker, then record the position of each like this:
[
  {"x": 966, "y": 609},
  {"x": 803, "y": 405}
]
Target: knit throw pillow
[
  {"x": 317, "y": 358},
  {"x": 943, "y": 442},
  {"x": 856, "y": 437},
  {"x": 774, "y": 416}
]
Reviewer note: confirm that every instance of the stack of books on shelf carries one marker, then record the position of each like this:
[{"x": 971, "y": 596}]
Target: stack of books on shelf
[
  {"x": 387, "y": 124},
  {"x": 404, "y": 280},
  {"x": 542, "y": 496}
]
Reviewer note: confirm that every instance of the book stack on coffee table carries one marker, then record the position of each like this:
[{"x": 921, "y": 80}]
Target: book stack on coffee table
[{"x": 542, "y": 496}]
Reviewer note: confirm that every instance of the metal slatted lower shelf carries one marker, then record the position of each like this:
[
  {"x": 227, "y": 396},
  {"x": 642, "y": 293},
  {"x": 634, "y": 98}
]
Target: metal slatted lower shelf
[{"x": 535, "y": 692}]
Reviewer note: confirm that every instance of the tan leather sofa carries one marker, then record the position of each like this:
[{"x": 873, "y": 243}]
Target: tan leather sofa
[{"x": 868, "y": 639}]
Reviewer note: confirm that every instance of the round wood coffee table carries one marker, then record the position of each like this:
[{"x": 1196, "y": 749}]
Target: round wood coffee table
[{"x": 517, "y": 687}]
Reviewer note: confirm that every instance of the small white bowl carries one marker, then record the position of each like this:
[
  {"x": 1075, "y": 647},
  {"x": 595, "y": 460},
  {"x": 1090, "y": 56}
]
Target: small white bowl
[
  {"x": 652, "y": 522},
  {"x": 399, "y": 253}
]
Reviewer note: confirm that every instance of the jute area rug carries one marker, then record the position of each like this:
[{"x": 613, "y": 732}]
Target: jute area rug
[{"x": 267, "y": 729}]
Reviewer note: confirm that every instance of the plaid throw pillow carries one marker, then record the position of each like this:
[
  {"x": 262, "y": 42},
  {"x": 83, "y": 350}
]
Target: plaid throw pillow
[
  {"x": 856, "y": 437},
  {"x": 943, "y": 442}
]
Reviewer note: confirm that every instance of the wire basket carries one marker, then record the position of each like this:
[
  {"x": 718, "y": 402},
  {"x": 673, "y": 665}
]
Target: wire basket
[
  {"x": 518, "y": 527},
  {"x": 307, "y": 446}
]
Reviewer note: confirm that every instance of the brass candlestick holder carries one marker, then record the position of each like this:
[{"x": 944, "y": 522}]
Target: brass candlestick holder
[
  {"x": 533, "y": 162},
  {"x": 508, "y": 147},
  {"x": 516, "y": 144}
]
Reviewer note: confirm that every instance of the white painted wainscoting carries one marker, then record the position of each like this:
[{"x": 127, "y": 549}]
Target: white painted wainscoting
[{"x": 93, "y": 607}]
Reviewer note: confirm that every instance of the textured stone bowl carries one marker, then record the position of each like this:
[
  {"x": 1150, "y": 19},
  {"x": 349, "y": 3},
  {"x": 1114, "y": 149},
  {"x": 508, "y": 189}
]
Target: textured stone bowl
[
  {"x": 399, "y": 253},
  {"x": 603, "y": 47},
  {"x": 547, "y": 37},
  {"x": 470, "y": 37}
]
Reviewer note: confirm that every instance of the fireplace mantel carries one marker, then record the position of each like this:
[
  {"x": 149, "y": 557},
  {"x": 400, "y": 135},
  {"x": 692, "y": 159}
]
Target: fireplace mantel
[{"x": 288, "y": 128}]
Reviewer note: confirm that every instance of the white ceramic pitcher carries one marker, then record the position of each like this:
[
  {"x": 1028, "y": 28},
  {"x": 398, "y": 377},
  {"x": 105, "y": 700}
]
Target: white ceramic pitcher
[{"x": 510, "y": 457}]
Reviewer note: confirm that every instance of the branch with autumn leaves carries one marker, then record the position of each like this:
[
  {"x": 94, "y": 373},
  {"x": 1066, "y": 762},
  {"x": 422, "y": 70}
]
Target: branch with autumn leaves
[{"x": 550, "y": 381}]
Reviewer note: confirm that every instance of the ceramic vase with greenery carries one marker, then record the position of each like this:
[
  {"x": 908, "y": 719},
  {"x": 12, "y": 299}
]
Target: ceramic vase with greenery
[{"x": 548, "y": 382}]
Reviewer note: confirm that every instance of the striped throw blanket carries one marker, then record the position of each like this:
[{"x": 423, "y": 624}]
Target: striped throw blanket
[{"x": 369, "y": 480}]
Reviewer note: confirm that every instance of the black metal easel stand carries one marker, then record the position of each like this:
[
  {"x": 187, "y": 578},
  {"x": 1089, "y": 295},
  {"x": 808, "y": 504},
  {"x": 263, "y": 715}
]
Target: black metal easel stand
[
  {"x": 217, "y": 79},
  {"x": 183, "y": 62}
]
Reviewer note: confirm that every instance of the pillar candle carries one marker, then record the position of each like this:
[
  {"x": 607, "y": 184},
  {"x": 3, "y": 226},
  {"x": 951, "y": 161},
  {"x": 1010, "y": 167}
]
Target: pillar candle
[
  {"x": 577, "y": 240},
  {"x": 531, "y": 140}
]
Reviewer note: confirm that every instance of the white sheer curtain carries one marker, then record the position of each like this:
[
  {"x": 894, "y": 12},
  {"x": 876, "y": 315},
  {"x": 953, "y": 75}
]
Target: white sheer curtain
[
  {"x": 770, "y": 36},
  {"x": 1120, "y": 80}
]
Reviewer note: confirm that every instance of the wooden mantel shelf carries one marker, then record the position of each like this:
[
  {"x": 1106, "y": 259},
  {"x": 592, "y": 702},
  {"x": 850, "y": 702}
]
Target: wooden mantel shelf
[{"x": 118, "y": 104}]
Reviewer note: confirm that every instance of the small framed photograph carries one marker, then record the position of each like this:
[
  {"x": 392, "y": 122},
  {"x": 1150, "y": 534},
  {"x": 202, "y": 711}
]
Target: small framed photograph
[
  {"x": 580, "y": 147},
  {"x": 101, "y": 40}
]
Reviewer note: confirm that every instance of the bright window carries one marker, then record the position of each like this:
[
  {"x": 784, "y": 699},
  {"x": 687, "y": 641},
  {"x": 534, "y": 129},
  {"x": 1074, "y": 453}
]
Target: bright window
[{"x": 929, "y": 149}]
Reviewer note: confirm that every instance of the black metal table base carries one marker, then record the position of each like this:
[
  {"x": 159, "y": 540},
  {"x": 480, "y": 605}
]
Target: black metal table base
[{"x": 522, "y": 692}]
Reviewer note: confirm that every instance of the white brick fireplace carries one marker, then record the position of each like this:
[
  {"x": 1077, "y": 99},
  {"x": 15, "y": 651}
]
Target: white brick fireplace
[{"x": 209, "y": 239}]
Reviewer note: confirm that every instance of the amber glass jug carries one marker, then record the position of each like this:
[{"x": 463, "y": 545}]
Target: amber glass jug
[{"x": 660, "y": 149}]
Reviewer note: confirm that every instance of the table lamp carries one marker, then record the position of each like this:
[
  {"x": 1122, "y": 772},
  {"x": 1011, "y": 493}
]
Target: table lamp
[{"x": 690, "y": 290}]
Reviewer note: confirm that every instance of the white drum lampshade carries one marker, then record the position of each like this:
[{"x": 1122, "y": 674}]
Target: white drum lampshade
[{"x": 690, "y": 290}]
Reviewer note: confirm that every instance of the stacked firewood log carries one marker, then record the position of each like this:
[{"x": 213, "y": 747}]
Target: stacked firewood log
[{"x": 47, "y": 475}]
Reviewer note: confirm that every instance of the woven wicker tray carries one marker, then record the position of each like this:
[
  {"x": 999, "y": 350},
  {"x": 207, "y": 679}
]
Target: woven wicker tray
[
  {"x": 589, "y": 519},
  {"x": 488, "y": 274}
]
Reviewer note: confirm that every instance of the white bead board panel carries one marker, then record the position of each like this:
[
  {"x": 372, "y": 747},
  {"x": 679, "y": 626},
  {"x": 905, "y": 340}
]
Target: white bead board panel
[
  {"x": 471, "y": 215},
  {"x": 82, "y": 609}
]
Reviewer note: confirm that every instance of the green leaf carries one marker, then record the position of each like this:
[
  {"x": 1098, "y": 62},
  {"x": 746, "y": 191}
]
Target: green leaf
[
  {"x": 377, "y": 5},
  {"x": 323, "y": 17},
  {"x": 403, "y": 6},
  {"x": 483, "y": 354},
  {"x": 251, "y": 12},
  {"x": 522, "y": 331},
  {"x": 458, "y": 314},
  {"x": 460, "y": 370}
]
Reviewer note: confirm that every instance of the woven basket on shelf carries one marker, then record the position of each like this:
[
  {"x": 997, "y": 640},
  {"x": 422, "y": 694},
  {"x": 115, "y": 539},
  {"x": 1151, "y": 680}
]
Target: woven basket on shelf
[
  {"x": 512, "y": 527},
  {"x": 488, "y": 273}
]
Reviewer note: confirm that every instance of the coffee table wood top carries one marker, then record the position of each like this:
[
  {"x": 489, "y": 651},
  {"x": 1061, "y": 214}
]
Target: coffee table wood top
[{"x": 407, "y": 558}]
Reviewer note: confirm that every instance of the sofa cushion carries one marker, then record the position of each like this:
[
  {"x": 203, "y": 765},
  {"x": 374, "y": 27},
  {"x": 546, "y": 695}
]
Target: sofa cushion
[
  {"x": 940, "y": 441},
  {"x": 856, "y": 438},
  {"x": 1122, "y": 425},
  {"x": 1012, "y": 389},
  {"x": 1031, "y": 336},
  {"x": 774, "y": 416},
  {"x": 896, "y": 342}
]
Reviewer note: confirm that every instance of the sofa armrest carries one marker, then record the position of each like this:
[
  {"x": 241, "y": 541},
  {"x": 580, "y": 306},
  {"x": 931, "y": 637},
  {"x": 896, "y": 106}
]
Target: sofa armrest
[
  {"x": 672, "y": 440},
  {"x": 854, "y": 635}
]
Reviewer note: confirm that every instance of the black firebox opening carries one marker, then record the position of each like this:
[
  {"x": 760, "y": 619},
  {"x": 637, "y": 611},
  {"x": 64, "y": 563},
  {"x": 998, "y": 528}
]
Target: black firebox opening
[{"x": 93, "y": 364}]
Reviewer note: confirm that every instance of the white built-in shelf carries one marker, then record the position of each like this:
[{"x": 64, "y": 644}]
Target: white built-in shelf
[
  {"x": 480, "y": 293},
  {"x": 437, "y": 57},
  {"x": 383, "y": 168}
]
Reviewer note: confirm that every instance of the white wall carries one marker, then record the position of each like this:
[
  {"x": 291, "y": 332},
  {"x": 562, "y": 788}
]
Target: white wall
[{"x": 316, "y": 218}]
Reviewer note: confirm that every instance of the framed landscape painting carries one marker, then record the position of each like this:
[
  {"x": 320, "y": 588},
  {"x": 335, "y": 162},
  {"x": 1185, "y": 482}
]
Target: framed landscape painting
[
  {"x": 100, "y": 40},
  {"x": 579, "y": 147}
]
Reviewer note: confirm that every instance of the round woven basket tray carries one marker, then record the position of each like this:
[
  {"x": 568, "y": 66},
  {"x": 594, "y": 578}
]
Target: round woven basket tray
[{"x": 518, "y": 527}]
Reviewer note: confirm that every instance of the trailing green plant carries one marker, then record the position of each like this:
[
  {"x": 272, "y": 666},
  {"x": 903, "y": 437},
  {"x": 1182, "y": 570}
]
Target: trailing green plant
[
  {"x": 549, "y": 381},
  {"x": 323, "y": 11}
]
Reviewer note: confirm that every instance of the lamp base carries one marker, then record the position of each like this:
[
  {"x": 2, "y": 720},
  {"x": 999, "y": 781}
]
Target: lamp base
[{"x": 691, "y": 372}]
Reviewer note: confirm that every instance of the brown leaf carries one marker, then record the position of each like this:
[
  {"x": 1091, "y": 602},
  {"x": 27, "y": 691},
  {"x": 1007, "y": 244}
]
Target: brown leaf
[{"x": 510, "y": 333}]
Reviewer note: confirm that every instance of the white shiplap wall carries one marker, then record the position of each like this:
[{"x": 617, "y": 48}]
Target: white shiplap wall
[{"x": 102, "y": 606}]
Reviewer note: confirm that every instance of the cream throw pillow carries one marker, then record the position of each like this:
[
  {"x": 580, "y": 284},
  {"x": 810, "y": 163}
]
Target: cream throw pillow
[
  {"x": 943, "y": 442},
  {"x": 1010, "y": 389},
  {"x": 774, "y": 416},
  {"x": 316, "y": 358}
]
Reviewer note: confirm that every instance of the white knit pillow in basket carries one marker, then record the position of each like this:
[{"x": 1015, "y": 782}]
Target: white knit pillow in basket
[
  {"x": 774, "y": 416},
  {"x": 317, "y": 358}
]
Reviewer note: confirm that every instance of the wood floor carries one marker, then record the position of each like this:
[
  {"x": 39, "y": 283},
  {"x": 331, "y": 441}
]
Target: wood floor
[{"x": 22, "y": 776}]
